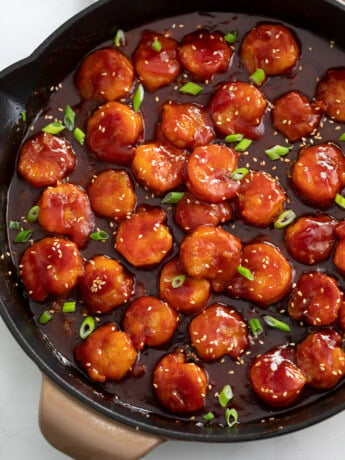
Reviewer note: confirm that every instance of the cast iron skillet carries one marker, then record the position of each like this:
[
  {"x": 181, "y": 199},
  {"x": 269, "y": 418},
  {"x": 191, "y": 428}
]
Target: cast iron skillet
[{"x": 23, "y": 87}]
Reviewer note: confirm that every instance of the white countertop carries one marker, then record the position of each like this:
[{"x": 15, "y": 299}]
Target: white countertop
[{"x": 23, "y": 26}]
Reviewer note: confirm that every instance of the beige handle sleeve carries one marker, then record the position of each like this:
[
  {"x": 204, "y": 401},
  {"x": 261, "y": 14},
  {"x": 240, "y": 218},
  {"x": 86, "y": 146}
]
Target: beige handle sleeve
[{"x": 83, "y": 434}]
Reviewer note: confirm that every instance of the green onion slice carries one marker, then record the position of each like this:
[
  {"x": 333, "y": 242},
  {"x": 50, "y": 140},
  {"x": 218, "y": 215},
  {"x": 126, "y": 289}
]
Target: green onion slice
[
  {"x": 239, "y": 174},
  {"x": 45, "y": 317},
  {"x": 138, "y": 97},
  {"x": 178, "y": 281},
  {"x": 69, "y": 118},
  {"x": 286, "y": 218},
  {"x": 69, "y": 307},
  {"x": 191, "y": 88},
  {"x": 258, "y": 77},
  {"x": 14, "y": 225},
  {"x": 23, "y": 236},
  {"x": 245, "y": 272},
  {"x": 156, "y": 45},
  {"x": 87, "y": 326},
  {"x": 274, "y": 153},
  {"x": 99, "y": 236},
  {"x": 276, "y": 324},
  {"x": 120, "y": 39},
  {"x": 225, "y": 396},
  {"x": 243, "y": 145},
  {"x": 255, "y": 326},
  {"x": 173, "y": 197},
  {"x": 79, "y": 135},
  {"x": 32, "y": 215},
  {"x": 54, "y": 128},
  {"x": 231, "y": 417},
  {"x": 340, "y": 200},
  {"x": 341, "y": 137},
  {"x": 23, "y": 115},
  {"x": 231, "y": 37},
  {"x": 208, "y": 417},
  {"x": 234, "y": 138}
]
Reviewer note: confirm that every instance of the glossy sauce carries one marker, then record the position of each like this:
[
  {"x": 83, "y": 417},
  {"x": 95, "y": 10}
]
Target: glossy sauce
[{"x": 63, "y": 331}]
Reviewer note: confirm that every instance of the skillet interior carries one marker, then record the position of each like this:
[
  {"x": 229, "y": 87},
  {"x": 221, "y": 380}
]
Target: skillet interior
[{"x": 22, "y": 87}]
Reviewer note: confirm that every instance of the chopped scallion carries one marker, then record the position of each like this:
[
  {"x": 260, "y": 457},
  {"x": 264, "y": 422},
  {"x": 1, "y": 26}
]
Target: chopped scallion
[
  {"x": 340, "y": 200},
  {"x": 14, "y": 225},
  {"x": 23, "y": 115},
  {"x": 258, "y": 77},
  {"x": 225, "y": 396},
  {"x": 255, "y": 326},
  {"x": 45, "y": 317},
  {"x": 243, "y": 145},
  {"x": 234, "y": 138},
  {"x": 274, "y": 153},
  {"x": 231, "y": 37},
  {"x": 245, "y": 272},
  {"x": 99, "y": 236},
  {"x": 239, "y": 174},
  {"x": 191, "y": 88},
  {"x": 87, "y": 327},
  {"x": 120, "y": 39},
  {"x": 69, "y": 307},
  {"x": 173, "y": 197},
  {"x": 231, "y": 417},
  {"x": 342, "y": 137},
  {"x": 23, "y": 236},
  {"x": 285, "y": 219},
  {"x": 79, "y": 135},
  {"x": 32, "y": 215},
  {"x": 54, "y": 128},
  {"x": 138, "y": 97},
  {"x": 178, "y": 281},
  {"x": 156, "y": 45},
  {"x": 276, "y": 324},
  {"x": 69, "y": 118},
  {"x": 208, "y": 417}
]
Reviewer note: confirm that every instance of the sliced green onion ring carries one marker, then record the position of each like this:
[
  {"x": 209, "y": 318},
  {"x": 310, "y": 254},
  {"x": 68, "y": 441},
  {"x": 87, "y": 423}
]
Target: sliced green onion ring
[
  {"x": 231, "y": 36},
  {"x": 23, "y": 236},
  {"x": 258, "y": 77},
  {"x": 138, "y": 97},
  {"x": 101, "y": 235},
  {"x": 234, "y": 137},
  {"x": 191, "y": 88},
  {"x": 45, "y": 317},
  {"x": 23, "y": 116},
  {"x": 208, "y": 417},
  {"x": 156, "y": 45},
  {"x": 239, "y": 173},
  {"x": 225, "y": 396},
  {"x": 33, "y": 213},
  {"x": 255, "y": 326},
  {"x": 276, "y": 324},
  {"x": 231, "y": 417},
  {"x": 178, "y": 281},
  {"x": 69, "y": 307},
  {"x": 120, "y": 38},
  {"x": 79, "y": 135},
  {"x": 245, "y": 272},
  {"x": 69, "y": 118},
  {"x": 342, "y": 137},
  {"x": 14, "y": 225},
  {"x": 243, "y": 145},
  {"x": 54, "y": 128},
  {"x": 87, "y": 327},
  {"x": 340, "y": 200},
  {"x": 173, "y": 197},
  {"x": 277, "y": 151},
  {"x": 285, "y": 219}
]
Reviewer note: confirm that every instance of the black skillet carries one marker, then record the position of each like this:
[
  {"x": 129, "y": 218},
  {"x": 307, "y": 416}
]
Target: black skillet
[{"x": 23, "y": 87}]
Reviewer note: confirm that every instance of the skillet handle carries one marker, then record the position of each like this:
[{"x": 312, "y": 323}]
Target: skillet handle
[{"x": 83, "y": 434}]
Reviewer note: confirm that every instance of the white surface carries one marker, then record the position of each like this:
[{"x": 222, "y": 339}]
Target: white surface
[{"x": 23, "y": 26}]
